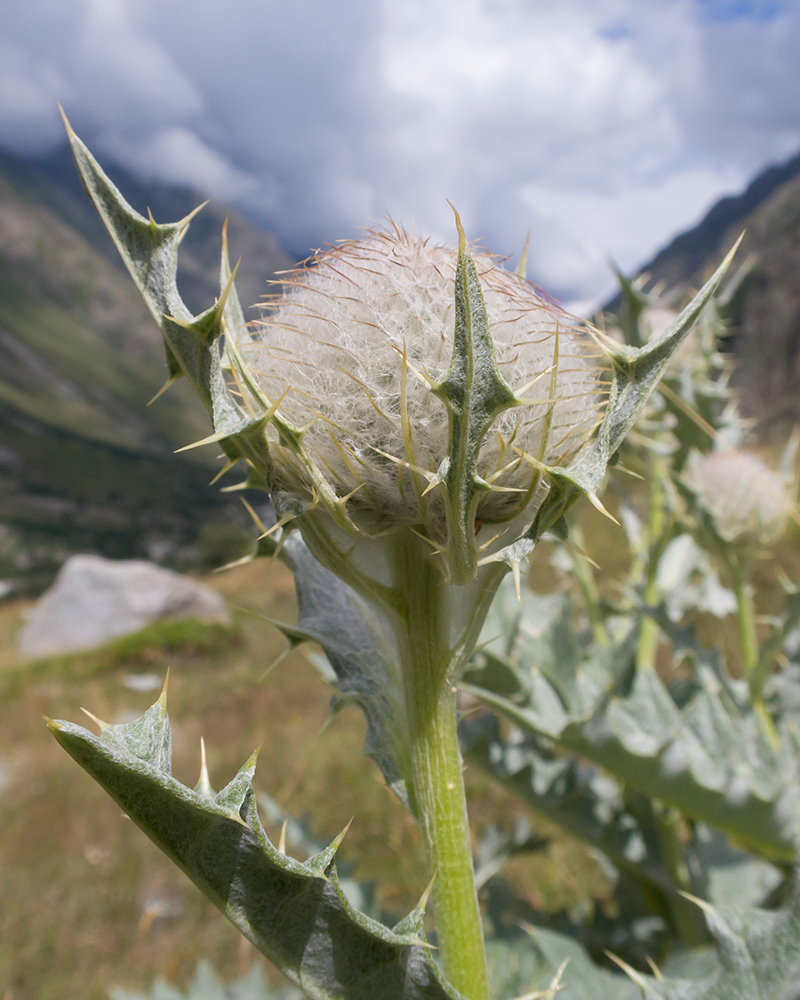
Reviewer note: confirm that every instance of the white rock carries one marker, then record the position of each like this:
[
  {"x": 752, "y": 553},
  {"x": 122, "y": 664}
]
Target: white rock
[{"x": 94, "y": 600}]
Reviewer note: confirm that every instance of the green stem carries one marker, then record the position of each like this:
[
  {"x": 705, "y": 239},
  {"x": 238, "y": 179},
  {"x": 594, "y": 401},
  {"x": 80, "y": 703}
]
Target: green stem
[
  {"x": 754, "y": 669},
  {"x": 429, "y": 669},
  {"x": 588, "y": 586},
  {"x": 649, "y": 631},
  {"x": 687, "y": 916},
  {"x": 745, "y": 612}
]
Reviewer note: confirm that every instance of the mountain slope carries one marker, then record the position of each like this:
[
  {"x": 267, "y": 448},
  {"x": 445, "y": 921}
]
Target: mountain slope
[
  {"x": 766, "y": 326},
  {"x": 85, "y": 464}
]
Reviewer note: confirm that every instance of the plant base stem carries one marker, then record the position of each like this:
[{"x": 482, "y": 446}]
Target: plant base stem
[{"x": 438, "y": 786}]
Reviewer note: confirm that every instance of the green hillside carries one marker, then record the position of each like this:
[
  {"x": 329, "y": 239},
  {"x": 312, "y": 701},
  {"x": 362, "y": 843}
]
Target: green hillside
[{"x": 85, "y": 464}]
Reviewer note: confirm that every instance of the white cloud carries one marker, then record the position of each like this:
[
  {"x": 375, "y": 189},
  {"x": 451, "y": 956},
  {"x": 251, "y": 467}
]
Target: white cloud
[
  {"x": 587, "y": 230},
  {"x": 29, "y": 91},
  {"x": 605, "y": 126},
  {"x": 178, "y": 156}
]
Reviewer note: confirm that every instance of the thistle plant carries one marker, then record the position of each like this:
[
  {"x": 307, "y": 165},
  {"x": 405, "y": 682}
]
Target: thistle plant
[
  {"x": 740, "y": 506},
  {"x": 420, "y": 417}
]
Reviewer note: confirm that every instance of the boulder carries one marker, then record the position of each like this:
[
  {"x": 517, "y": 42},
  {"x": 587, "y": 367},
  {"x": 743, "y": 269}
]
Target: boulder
[{"x": 94, "y": 600}]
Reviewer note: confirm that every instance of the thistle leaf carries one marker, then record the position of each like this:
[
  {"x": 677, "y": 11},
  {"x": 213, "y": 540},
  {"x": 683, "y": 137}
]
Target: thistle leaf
[
  {"x": 758, "y": 955},
  {"x": 332, "y": 615},
  {"x": 192, "y": 343},
  {"x": 474, "y": 393},
  {"x": 636, "y": 372},
  {"x": 708, "y": 757},
  {"x": 293, "y": 913},
  {"x": 526, "y": 966},
  {"x": 621, "y": 823},
  {"x": 233, "y": 314},
  {"x": 150, "y": 253}
]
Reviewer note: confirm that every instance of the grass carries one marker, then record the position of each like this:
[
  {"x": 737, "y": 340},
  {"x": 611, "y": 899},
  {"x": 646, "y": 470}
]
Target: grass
[{"x": 89, "y": 902}]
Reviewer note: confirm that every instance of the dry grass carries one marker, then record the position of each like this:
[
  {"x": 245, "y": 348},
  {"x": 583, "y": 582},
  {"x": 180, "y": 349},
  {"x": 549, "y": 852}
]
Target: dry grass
[{"x": 88, "y": 901}]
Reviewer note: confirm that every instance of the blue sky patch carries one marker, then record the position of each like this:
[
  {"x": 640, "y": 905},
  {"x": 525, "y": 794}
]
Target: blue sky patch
[
  {"x": 736, "y": 10},
  {"x": 615, "y": 31}
]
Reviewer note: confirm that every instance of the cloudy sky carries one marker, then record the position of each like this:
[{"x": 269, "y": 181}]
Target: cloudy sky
[{"x": 603, "y": 126}]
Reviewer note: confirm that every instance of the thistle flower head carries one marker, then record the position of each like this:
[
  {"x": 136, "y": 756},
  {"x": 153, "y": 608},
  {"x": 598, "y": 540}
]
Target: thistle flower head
[
  {"x": 745, "y": 498},
  {"x": 356, "y": 347}
]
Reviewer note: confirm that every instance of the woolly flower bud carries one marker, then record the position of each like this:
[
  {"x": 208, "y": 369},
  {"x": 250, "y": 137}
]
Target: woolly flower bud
[
  {"x": 354, "y": 346},
  {"x": 746, "y": 499}
]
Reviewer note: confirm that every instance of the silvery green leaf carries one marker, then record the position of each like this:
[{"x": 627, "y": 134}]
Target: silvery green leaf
[
  {"x": 621, "y": 824},
  {"x": 332, "y": 615},
  {"x": 757, "y": 956},
  {"x": 688, "y": 581},
  {"x": 734, "y": 877},
  {"x": 193, "y": 343},
  {"x": 707, "y": 756},
  {"x": 582, "y": 800},
  {"x": 294, "y": 913},
  {"x": 474, "y": 393},
  {"x": 298, "y": 836},
  {"x": 532, "y": 962},
  {"x": 636, "y": 372}
]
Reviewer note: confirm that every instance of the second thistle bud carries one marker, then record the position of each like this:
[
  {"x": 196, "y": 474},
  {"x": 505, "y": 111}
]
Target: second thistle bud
[{"x": 746, "y": 500}]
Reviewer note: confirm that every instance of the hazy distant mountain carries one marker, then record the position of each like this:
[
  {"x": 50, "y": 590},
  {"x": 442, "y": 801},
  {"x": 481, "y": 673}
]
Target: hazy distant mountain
[
  {"x": 85, "y": 464},
  {"x": 766, "y": 335}
]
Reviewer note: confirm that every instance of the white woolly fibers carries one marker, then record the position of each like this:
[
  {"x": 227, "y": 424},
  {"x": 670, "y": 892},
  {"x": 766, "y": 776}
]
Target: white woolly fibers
[
  {"x": 746, "y": 499},
  {"x": 336, "y": 339}
]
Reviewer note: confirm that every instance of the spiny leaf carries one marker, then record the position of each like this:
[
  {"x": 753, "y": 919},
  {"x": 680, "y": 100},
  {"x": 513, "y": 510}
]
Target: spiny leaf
[
  {"x": 233, "y": 314},
  {"x": 712, "y": 766},
  {"x": 193, "y": 343},
  {"x": 634, "y": 302},
  {"x": 150, "y": 252},
  {"x": 334, "y": 616},
  {"x": 621, "y": 823},
  {"x": 293, "y": 913},
  {"x": 636, "y": 372},
  {"x": 707, "y": 757},
  {"x": 526, "y": 965},
  {"x": 758, "y": 957},
  {"x": 580, "y": 799},
  {"x": 474, "y": 393}
]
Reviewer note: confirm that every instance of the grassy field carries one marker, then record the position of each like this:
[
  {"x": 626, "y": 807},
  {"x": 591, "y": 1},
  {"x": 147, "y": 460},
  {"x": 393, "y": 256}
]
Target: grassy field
[{"x": 88, "y": 901}]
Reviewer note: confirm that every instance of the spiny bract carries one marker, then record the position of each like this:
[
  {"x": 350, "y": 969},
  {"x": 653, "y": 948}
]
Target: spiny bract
[{"x": 356, "y": 341}]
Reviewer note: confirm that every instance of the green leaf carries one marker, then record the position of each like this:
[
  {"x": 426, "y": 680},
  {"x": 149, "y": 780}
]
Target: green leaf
[
  {"x": 618, "y": 822},
  {"x": 533, "y": 960},
  {"x": 192, "y": 343},
  {"x": 474, "y": 393},
  {"x": 294, "y": 913},
  {"x": 708, "y": 756},
  {"x": 636, "y": 372},
  {"x": 332, "y": 615},
  {"x": 758, "y": 957},
  {"x": 634, "y": 303},
  {"x": 150, "y": 253},
  {"x": 583, "y": 801}
]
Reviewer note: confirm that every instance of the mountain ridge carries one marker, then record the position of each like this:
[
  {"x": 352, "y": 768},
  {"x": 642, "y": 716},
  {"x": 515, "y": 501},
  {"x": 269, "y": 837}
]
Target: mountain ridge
[
  {"x": 85, "y": 464},
  {"x": 765, "y": 320}
]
